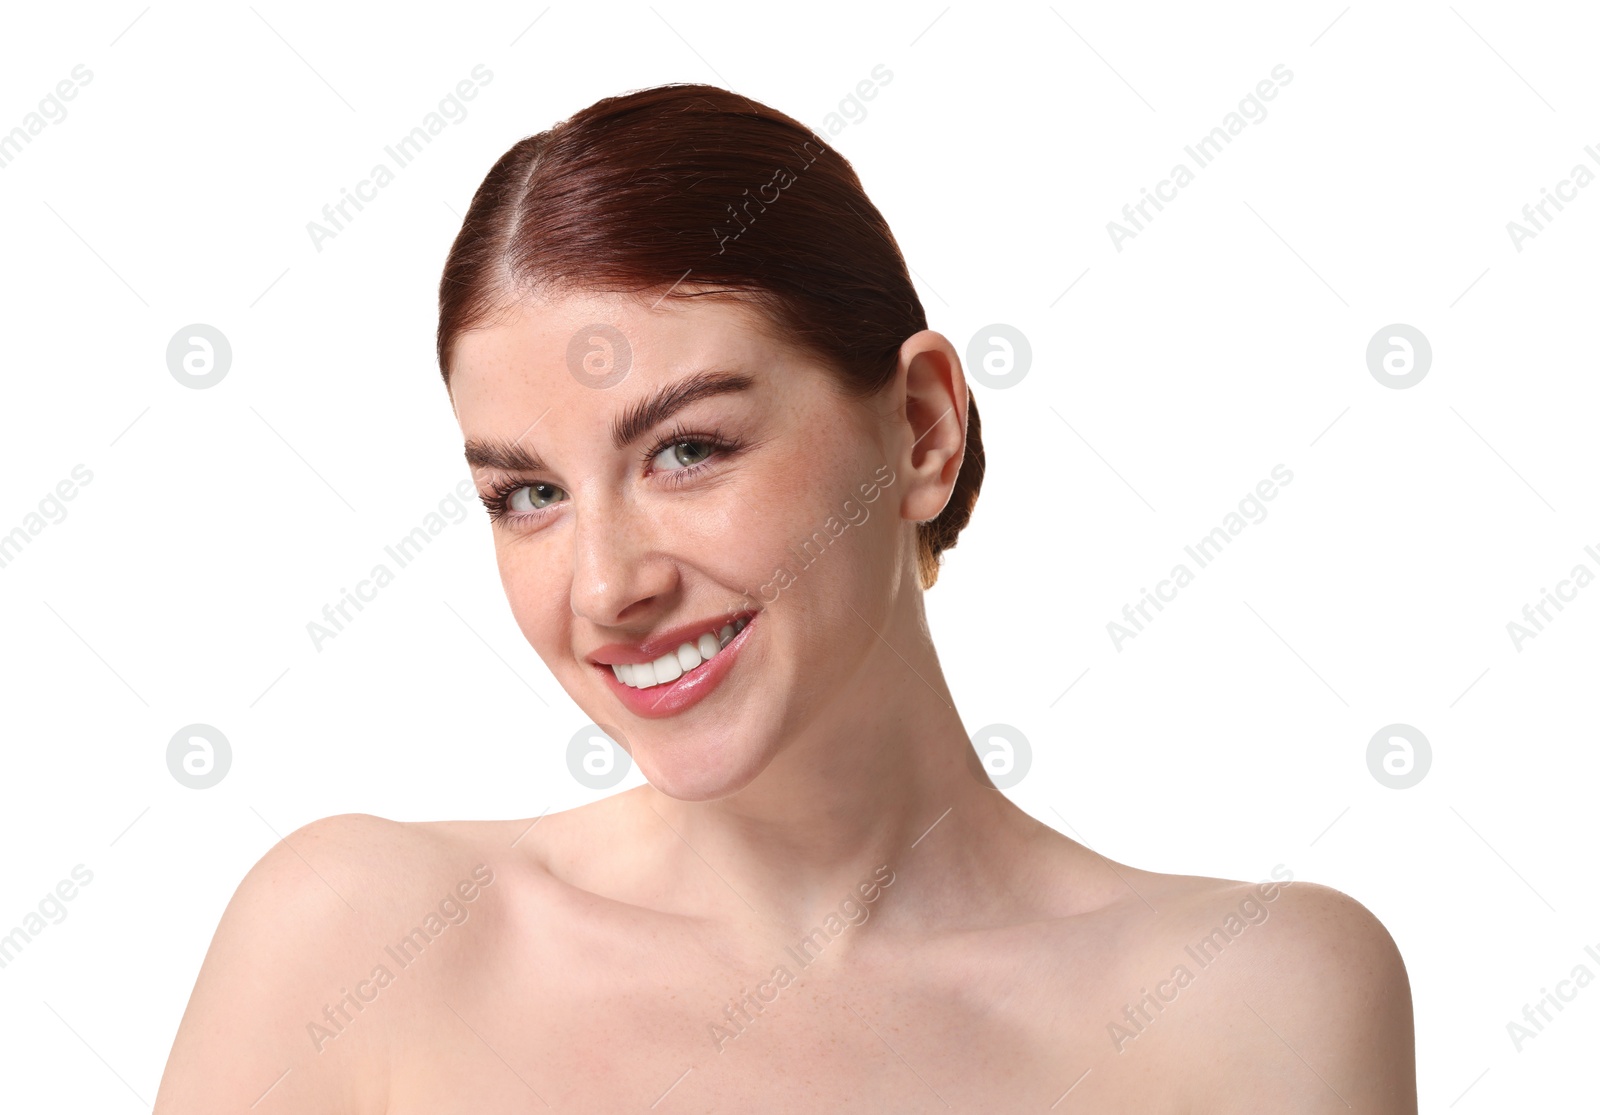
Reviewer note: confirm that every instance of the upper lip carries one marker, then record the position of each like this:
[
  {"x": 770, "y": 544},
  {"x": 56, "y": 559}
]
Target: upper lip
[{"x": 616, "y": 654}]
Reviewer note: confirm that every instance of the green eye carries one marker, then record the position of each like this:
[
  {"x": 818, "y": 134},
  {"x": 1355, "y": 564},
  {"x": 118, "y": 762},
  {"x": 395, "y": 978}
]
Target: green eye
[
  {"x": 535, "y": 497},
  {"x": 681, "y": 454}
]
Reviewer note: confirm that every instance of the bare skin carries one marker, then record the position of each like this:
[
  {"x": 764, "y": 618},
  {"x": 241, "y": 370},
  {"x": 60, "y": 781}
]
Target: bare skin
[{"x": 649, "y": 951}]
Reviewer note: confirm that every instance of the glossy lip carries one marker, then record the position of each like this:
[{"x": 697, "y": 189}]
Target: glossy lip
[
  {"x": 653, "y": 648},
  {"x": 660, "y": 701}
]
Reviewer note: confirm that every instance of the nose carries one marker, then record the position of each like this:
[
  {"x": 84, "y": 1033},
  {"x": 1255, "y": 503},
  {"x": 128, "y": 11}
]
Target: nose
[{"x": 619, "y": 573}]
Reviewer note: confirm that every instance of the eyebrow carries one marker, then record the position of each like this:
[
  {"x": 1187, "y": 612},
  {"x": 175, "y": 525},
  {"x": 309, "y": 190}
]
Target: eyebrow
[{"x": 626, "y": 429}]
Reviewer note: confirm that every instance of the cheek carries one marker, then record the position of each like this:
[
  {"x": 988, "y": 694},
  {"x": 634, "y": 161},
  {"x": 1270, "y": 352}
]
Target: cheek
[
  {"x": 537, "y": 599},
  {"x": 819, "y": 541}
]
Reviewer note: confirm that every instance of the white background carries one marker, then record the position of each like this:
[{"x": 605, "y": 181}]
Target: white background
[{"x": 1229, "y": 336}]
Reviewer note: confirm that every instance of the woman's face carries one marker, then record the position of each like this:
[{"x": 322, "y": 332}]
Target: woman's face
[{"x": 666, "y": 473}]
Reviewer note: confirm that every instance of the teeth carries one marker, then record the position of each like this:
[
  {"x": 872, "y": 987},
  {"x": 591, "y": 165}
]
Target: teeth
[
  {"x": 667, "y": 668},
  {"x": 674, "y": 664}
]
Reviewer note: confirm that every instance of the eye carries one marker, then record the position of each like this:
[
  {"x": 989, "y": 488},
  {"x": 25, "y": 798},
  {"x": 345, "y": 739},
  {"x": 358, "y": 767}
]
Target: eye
[
  {"x": 534, "y": 497},
  {"x": 682, "y": 454}
]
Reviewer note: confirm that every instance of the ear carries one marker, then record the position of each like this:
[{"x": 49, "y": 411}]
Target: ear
[{"x": 931, "y": 392}]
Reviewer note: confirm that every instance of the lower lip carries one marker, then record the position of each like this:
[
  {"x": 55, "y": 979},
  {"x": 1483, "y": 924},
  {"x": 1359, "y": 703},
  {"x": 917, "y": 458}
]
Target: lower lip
[{"x": 660, "y": 701}]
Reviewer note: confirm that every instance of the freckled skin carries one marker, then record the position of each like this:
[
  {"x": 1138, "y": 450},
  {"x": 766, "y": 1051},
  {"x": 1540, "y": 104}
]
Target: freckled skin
[{"x": 997, "y": 967}]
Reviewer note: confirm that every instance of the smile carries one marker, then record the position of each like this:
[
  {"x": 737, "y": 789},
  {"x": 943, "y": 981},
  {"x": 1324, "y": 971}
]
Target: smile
[
  {"x": 675, "y": 670},
  {"x": 685, "y": 658}
]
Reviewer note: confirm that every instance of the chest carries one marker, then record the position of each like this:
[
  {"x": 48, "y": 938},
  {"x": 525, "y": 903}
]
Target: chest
[{"x": 678, "y": 1023}]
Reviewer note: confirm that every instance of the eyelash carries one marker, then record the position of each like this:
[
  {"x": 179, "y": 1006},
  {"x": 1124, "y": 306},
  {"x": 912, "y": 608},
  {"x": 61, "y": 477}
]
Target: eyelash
[{"x": 498, "y": 501}]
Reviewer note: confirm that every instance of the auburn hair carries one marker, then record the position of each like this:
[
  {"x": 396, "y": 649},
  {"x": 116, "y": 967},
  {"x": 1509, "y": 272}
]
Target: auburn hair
[{"x": 694, "y": 190}]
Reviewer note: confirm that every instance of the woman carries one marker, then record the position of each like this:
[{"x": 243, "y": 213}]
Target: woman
[{"x": 723, "y": 454}]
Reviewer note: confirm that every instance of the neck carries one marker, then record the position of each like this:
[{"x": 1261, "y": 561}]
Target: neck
[{"x": 884, "y": 777}]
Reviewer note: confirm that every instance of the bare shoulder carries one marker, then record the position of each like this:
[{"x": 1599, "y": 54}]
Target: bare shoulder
[
  {"x": 1304, "y": 1001},
  {"x": 317, "y": 929}
]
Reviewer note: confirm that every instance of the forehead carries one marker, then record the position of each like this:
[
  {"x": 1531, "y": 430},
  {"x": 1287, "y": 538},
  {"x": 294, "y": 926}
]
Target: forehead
[{"x": 583, "y": 349}]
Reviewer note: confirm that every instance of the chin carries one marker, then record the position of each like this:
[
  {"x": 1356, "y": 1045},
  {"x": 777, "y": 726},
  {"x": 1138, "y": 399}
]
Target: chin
[{"x": 704, "y": 771}]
